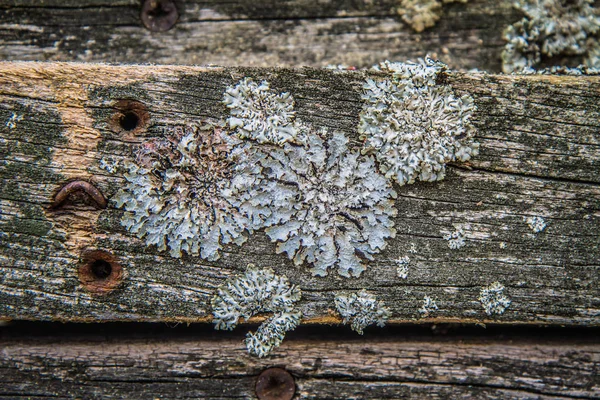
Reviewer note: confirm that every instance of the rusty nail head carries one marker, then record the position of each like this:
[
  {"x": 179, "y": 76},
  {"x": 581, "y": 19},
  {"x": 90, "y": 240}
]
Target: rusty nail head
[
  {"x": 159, "y": 15},
  {"x": 79, "y": 186},
  {"x": 100, "y": 272},
  {"x": 275, "y": 384}
]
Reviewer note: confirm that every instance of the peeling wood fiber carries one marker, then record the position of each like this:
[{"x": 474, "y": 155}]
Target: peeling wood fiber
[{"x": 539, "y": 156}]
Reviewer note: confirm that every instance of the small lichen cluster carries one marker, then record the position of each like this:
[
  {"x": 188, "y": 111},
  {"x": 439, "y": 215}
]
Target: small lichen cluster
[
  {"x": 340, "y": 208},
  {"x": 422, "y": 14},
  {"x": 428, "y": 307},
  {"x": 415, "y": 126},
  {"x": 455, "y": 239},
  {"x": 402, "y": 267},
  {"x": 493, "y": 300},
  {"x": 192, "y": 191},
  {"x": 258, "y": 291},
  {"x": 552, "y": 28},
  {"x": 537, "y": 224},
  {"x": 363, "y": 309},
  {"x": 11, "y": 123}
]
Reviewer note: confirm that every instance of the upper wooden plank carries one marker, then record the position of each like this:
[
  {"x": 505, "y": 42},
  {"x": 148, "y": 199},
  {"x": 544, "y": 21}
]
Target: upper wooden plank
[
  {"x": 539, "y": 156},
  {"x": 264, "y": 33}
]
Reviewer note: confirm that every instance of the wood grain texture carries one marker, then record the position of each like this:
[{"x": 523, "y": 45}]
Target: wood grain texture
[
  {"x": 539, "y": 156},
  {"x": 264, "y": 33},
  {"x": 183, "y": 366}
]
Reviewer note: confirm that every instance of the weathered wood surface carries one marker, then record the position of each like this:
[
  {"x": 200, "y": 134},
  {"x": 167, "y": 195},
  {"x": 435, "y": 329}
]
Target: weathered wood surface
[
  {"x": 183, "y": 365},
  {"x": 263, "y": 33},
  {"x": 539, "y": 156}
]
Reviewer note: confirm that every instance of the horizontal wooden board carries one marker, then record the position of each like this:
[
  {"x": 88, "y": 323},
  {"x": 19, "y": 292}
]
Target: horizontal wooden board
[
  {"x": 264, "y": 33},
  {"x": 539, "y": 156},
  {"x": 184, "y": 365}
]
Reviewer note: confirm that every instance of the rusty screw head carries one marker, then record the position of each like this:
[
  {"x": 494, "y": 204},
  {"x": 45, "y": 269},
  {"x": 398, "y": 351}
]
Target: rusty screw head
[
  {"x": 100, "y": 272},
  {"x": 275, "y": 384},
  {"x": 159, "y": 15}
]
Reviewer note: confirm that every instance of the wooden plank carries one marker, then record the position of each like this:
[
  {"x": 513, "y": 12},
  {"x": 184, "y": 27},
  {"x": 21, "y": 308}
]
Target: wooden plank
[
  {"x": 263, "y": 33},
  {"x": 539, "y": 156},
  {"x": 200, "y": 365}
]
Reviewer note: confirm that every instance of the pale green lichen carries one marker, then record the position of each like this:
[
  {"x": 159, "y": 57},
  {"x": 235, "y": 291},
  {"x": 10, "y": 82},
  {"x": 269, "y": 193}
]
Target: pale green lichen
[
  {"x": 254, "y": 292},
  {"x": 339, "y": 208},
  {"x": 422, "y": 14},
  {"x": 193, "y": 191},
  {"x": 362, "y": 308},
  {"x": 260, "y": 114},
  {"x": 493, "y": 300},
  {"x": 552, "y": 28},
  {"x": 415, "y": 126}
]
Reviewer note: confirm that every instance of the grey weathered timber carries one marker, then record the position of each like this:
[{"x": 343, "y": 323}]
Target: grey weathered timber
[
  {"x": 264, "y": 33},
  {"x": 540, "y": 142},
  {"x": 218, "y": 367}
]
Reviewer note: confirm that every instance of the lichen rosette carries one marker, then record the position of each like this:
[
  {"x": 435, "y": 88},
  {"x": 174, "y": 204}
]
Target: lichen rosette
[
  {"x": 337, "y": 208},
  {"x": 415, "y": 126},
  {"x": 193, "y": 191},
  {"x": 260, "y": 114}
]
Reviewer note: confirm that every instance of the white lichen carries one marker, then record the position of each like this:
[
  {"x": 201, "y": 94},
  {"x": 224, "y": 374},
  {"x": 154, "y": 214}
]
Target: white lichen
[
  {"x": 11, "y": 123},
  {"x": 537, "y": 224},
  {"x": 260, "y": 114},
  {"x": 413, "y": 125},
  {"x": 493, "y": 300},
  {"x": 422, "y": 14},
  {"x": 335, "y": 208},
  {"x": 413, "y": 249},
  {"x": 402, "y": 267},
  {"x": 552, "y": 28},
  {"x": 428, "y": 306},
  {"x": 258, "y": 291},
  {"x": 363, "y": 309},
  {"x": 193, "y": 191},
  {"x": 455, "y": 239}
]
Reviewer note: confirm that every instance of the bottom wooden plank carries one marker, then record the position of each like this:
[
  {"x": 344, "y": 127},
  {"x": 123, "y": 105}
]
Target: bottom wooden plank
[{"x": 325, "y": 363}]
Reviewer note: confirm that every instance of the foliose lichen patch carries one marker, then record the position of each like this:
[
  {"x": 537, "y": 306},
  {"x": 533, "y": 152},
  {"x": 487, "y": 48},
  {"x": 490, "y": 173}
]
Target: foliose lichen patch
[
  {"x": 552, "y": 28},
  {"x": 493, "y": 300},
  {"x": 253, "y": 292},
  {"x": 326, "y": 205},
  {"x": 340, "y": 207},
  {"x": 258, "y": 113},
  {"x": 363, "y": 309},
  {"x": 192, "y": 191},
  {"x": 413, "y": 125}
]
